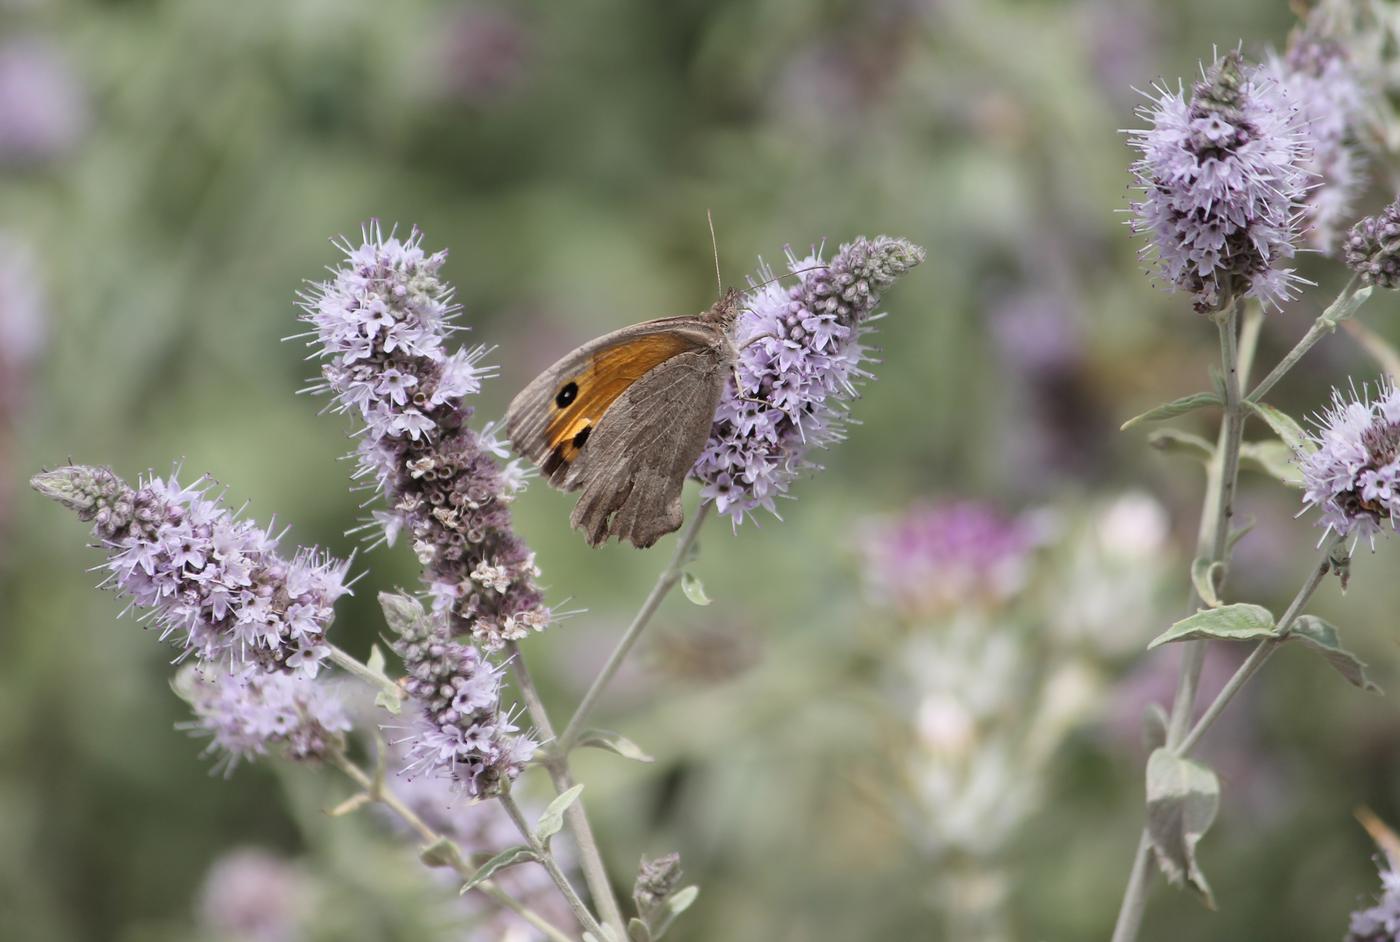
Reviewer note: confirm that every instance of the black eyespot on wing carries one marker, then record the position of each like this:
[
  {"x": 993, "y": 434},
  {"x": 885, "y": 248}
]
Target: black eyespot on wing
[
  {"x": 566, "y": 395},
  {"x": 582, "y": 437},
  {"x": 553, "y": 462}
]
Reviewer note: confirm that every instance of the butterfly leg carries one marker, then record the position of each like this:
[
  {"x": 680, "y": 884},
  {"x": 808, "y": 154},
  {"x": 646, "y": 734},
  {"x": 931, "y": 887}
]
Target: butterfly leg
[{"x": 740, "y": 395}]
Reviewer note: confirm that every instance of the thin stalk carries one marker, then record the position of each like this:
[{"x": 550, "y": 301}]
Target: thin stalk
[
  {"x": 1324, "y": 324},
  {"x": 585, "y": 918},
  {"x": 1214, "y": 541},
  {"x": 595, "y": 872},
  {"x": 664, "y": 583},
  {"x": 376, "y": 791},
  {"x": 1262, "y": 650},
  {"x": 349, "y": 663}
]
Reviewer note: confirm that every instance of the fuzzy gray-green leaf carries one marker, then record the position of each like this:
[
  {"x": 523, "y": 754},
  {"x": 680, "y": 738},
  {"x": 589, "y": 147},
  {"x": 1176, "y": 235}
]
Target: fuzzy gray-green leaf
[
  {"x": 1284, "y": 425},
  {"x": 1175, "y": 441},
  {"x": 1275, "y": 459},
  {"x": 509, "y": 857},
  {"x": 1324, "y": 638},
  {"x": 637, "y": 931},
  {"x": 1206, "y": 576},
  {"x": 441, "y": 853},
  {"x": 1183, "y": 797},
  {"x": 1170, "y": 410},
  {"x": 552, "y": 818},
  {"x": 694, "y": 589},
  {"x": 1238, "y": 622},
  {"x": 614, "y": 743}
]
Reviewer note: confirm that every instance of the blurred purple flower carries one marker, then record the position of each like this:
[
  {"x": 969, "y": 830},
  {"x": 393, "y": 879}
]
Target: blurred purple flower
[
  {"x": 1381, "y": 922},
  {"x": 460, "y": 733},
  {"x": 802, "y": 357},
  {"x": 22, "y": 332},
  {"x": 1352, "y": 472},
  {"x": 380, "y": 326},
  {"x": 486, "y": 52},
  {"x": 1223, "y": 182},
  {"x": 250, "y": 895},
  {"x": 246, "y": 715},
  {"x": 939, "y": 557},
  {"x": 214, "y": 582},
  {"x": 1372, "y": 248},
  {"x": 43, "y": 111},
  {"x": 1320, "y": 81}
]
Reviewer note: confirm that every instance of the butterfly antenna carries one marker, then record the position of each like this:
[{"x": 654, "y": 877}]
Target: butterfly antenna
[
  {"x": 795, "y": 271},
  {"x": 714, "y": 244}
]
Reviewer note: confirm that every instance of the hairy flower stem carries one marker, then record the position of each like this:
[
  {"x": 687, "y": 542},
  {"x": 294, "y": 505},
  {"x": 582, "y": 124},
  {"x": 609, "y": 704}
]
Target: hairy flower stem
[
  {"x": 1213, "y": 543},
  {"x": 352, "y": 665},
  {"x": 1325, "y": 324},
  {"x": 595, "y": 873},
  {"x": 1263, "y": 649},
  {"x": 375, "y": 790},
  {"x": 664, "y": 583},
  {"x": 585, "y": 918}
]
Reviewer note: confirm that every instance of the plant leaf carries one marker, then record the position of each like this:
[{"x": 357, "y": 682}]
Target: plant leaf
[
  {"x": 1170, "y": 410},
  {"x": 1325, "y": 639},
  {"x": 1345, "y": 306},
  {"x": 1275, "y": 459},
  {"x": 400, "y": 611},
  {"x": 1206, "y": 576},
  {"x": 1238, "y": 622},
  {"x": 1175, "y": 441},
  {"x": 388, "y": 701},
  {"x": 676, "y": 904},
  {"x": 615, "y": 743},
  {"x": 509, "y": 857},
  {"x": 440, "y": 853},
  {"x": 637, "y": 930},
  {"x": 1284, "y": 425},
  {"x": 1182, "y": 799},
  {"x": 694, "y": 589},
  {"x": 552, "y": 818}
]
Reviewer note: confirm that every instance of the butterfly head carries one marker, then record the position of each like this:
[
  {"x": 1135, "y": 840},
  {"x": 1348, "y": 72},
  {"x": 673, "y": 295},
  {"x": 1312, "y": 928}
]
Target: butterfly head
[{"x": 726, "y": 310}]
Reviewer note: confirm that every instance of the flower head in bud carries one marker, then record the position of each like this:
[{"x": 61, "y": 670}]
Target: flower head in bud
[
  {"x": 248, "y": 714},
  {"x": 800, "y": 360},
  {"x": 1373, "y": 248},
  {"x": 380, "y": 326},
  {"x": 460, "y": 733},
  {"x": 1351, "y": 470},
  {"x": 1223, "y": 181},
  {"x": 212, "y": 582}
]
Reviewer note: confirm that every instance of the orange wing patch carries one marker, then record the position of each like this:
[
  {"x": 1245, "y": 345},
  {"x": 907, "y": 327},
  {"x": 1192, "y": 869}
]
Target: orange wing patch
[{"x": 581, "y": 401}]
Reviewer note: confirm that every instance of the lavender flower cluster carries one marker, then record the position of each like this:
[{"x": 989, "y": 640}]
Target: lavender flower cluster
[
  {"x": 1320, "y": 81},
  {"x": 1373, "y": 248},
  {"x": 246, "y": 715},
  {"x": 380, "y": 325},
  {"x": 801, "y": 357},
  {"x": 1223, "y": 182},
  {"x": 214, "y": 582},
  {"x": 1381, "y": 922},
  {"x": 939, "y": 557},
  {"x": 460, "y": 733},
  {"x": 1352, "y": 472}
]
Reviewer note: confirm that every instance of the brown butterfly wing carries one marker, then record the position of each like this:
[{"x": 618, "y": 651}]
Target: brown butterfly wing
[{"x": 634, "y": 463}]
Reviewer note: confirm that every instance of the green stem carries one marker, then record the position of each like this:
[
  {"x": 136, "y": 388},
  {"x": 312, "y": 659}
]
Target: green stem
[
  {"x": 595, "y": 872},
  {"x": 349, "y": 663},
  {"x": 1262, "y": 650},
  {"x": 664, "y": 583},
  {"x": 585, "y": 918},
  {"x": 1325, "y": 324},
  {"x": 376, "y": 791}
]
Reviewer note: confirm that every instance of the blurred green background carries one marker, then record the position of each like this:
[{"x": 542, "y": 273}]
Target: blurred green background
[{"x": 170, "y": 172}]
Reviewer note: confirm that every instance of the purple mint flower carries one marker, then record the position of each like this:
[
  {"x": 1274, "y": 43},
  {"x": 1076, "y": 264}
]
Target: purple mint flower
[
  {"x": 1223, "y": 182},
  {"x": 938, "y": 557},
  {"x": 43, "y": 111},
  {"x": 459, "y": 732},
  {"x": 248, "y": 714},
  {"x": 254, "y": 896},
  {"x": 212, "y": 581},
  {"x": 802, "y": 357},
  {"x": 1381, "y": 922},
  {"x": 1352, "y": 471},
  {"x": 380, "y": 325},
  {"x": 1372, "y": 248},
  {"x": 1321, "y": 82}
]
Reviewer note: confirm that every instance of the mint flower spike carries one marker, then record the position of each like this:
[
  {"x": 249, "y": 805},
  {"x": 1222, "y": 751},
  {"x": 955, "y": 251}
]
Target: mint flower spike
[
  {"x": 212, "y": 582},
  {"x": 799, "y": 365},
  {"x": 251, "y": 714},
  {"x": 1223, "y": 184},
  {"x": 379, "y": 326},
  {"x": 1351, "y": 465},
  {"x": 1373, "y": 248}
]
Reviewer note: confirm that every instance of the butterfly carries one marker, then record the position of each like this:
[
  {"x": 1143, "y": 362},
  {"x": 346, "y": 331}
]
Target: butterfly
[{"x": 623, "y": 418}]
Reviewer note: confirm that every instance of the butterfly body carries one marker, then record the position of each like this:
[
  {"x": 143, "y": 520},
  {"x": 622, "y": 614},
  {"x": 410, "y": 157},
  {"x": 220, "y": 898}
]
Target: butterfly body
[{"x": 624, "y": 417}]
